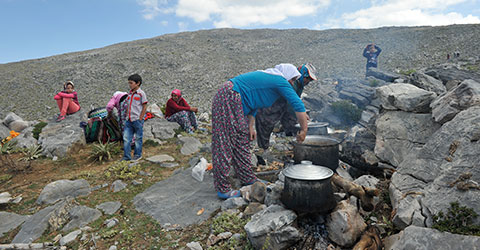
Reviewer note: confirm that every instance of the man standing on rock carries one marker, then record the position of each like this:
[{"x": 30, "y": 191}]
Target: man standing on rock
[
  {"x": 371, "y": 52},
  {"x": 281, "y": 110}
]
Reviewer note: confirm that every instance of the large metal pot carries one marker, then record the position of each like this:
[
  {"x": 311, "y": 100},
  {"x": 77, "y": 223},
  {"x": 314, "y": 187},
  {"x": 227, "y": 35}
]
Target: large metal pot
[
  {"x": 307, "y": 188},
  {"x": 316, "y": 128},
  {"x": 321, "y": 150}
]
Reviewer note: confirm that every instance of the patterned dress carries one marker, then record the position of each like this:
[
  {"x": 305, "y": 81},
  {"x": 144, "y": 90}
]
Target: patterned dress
[
  {"x": 186, "y": 119},
  {"x": 230, "y": 139}
]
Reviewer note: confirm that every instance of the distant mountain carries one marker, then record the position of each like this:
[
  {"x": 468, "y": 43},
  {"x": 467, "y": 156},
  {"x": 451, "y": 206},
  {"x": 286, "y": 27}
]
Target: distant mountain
[{"x": 198, "y": 62}]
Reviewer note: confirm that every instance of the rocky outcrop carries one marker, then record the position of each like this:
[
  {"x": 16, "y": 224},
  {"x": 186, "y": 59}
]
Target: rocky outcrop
[
  {"x": 406, "y": 97},
  {"x": 465, "y": 95},
  {"x": 427, "y": 82},
  {"x": 57, "y": 190},
  {"x": 425, "y": 181}
]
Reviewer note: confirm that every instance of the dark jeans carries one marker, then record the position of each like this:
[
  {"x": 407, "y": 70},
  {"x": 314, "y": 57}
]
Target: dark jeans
[{"x": 131, "y": 128}]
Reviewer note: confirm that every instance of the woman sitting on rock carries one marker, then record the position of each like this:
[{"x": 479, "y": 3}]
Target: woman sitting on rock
[
  {"x": 67, "y": 101},
  {"x": 178, "y": 110}
]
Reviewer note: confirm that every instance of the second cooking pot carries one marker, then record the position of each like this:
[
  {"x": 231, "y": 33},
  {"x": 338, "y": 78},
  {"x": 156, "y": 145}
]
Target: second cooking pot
[
  {"x": 307, "y": 188},
  {"x": 321, "y": 150}
]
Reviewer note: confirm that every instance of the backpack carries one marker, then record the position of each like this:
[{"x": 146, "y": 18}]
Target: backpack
[
  {"x": 92, "y": 129},
  {"x": 111, "y": 131}
]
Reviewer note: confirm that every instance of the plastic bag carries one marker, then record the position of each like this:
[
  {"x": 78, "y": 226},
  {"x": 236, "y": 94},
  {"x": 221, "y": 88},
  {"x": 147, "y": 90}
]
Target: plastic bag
[{"x": 199, "y": 170}]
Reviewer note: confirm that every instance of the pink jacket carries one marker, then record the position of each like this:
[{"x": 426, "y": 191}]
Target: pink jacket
[
  {"x": 115, "y": 101},
  {"x": 62, "y": 94}
]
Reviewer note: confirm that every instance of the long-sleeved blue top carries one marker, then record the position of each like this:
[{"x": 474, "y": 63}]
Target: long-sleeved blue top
[{"x": 260, "y": 90}]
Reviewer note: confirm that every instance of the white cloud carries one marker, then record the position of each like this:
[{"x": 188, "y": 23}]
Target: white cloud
[
  {"x": 405, "y": 13},
  {"x": 231, "y": 13},
  {"x": 182, "y": 26},
  {"x": 150, "y": 8}
]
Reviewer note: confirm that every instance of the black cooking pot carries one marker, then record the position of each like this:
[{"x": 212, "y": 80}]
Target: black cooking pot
[
  {"x": 307, "y": 188},
  {"x": 321, "y": 150}
]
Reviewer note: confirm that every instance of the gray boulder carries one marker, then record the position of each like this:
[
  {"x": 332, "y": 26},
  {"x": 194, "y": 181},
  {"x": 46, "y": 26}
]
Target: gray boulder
[
  {"x": 118, "y": 186},
  {"x": 406, "y": 97},
  {"x": 25, "y": 138},
  {"x": 57, "y": 138},
  {"x": 190, "y": 146},
  {"x": 425, "y": 238},
  {"x": 425, "y": 181},
  {"x": 465, "y": 95},
  {"x": 159, "y": 128},
  {"x": 270, "y": 228},
  {"x": 358, "y": 148},
  {"x": 65, "y": 240},
  {"x": 160, "y": 158},
  {"x": 4, "y": 131},
  {"x": 448, "y": 72},
  {"x": 9, "y": 221},
  {"x": 81, "y": 216},
  {"x": 57, "y": 190},
  {"x": 345, "y": 224},
  {"x": 399, "y": 132},
  {"x": 382, "y": 75},
  {"x": 355, "y": 91},
  {"x": 428, "y": 83},
  {"x": 18, "y": 126},
  {"x": 11, "y": 117},
  {"x": 109, "y": 207}
]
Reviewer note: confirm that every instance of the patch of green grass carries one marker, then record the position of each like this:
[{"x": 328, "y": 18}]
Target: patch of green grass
[
  {"x": 37, "y": 129},
  {"x": 150, "y": 143},
  {"x": 471, "y": 67},
  {"x": 348, "y": 112},
  {"x": 407, "y": 72},
  {"x": 458, "y": 220},
  {"x": 5, "y": 177},
  {"x": 228, "y": 222},
  {"x": 123, "y": 170}
]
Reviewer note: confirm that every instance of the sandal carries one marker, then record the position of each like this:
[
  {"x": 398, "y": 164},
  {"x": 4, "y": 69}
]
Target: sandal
[
  {"x": 230, "y": 194},
  {"x": 253, "y": 182}
]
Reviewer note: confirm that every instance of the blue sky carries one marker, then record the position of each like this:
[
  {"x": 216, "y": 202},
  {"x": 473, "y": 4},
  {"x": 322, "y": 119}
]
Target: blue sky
[{"x": 39, "y": 28}]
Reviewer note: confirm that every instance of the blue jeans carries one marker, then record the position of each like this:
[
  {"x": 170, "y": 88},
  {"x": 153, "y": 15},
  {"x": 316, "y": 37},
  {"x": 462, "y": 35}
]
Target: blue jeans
[{"x": 131, "y": 128}]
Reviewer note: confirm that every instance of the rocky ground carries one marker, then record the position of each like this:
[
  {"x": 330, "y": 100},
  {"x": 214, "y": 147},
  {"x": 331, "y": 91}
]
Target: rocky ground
[{"x": 198, "y": 62}]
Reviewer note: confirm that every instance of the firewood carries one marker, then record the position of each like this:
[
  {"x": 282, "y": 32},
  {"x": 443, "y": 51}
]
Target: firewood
[
  {"x": 365, "y": 194},
  {"x": 370, "y": 240}
]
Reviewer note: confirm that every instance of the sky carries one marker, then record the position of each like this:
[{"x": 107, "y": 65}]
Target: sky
[{"x": 31, "y": 29}]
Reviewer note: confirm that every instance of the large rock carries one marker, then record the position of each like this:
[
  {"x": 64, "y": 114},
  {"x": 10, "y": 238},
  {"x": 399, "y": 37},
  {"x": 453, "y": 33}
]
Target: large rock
[
  {"x": 355, "y": 91},
  {"x": 449, "y": 72},
  {"x": 9, "y": 221},
  {"x": 465, "y": 95},
  {"x": 81, "y": 216},
  {"x": 270, "y": 228},
  {"x": 109, "y": 207},
  {"x": 11, "y": 117},
  {"x": 177, "y": 199},
  {"x": 36, "y": 224},
  {"x": 57, "y": 190},
  {"x": 425, "y": 238},
  {"x": 399, "y": 132},
  {"x": 25, "y": 138},
  {"x": 345, "y": 224},
  {"x": 159, "y": 128},
  {"x": 382, "y": 75},
  {"x": 423, "y": 184},
  {"x": 358, "y": 148},
  {"x": 406, "y": 97},
  {"x": 57, "y": 138},
  {"x": 428, "y": 83},
  {"x": 190, "y": 146}
]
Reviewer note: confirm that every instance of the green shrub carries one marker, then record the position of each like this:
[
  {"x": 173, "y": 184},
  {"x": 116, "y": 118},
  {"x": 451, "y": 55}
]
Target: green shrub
[
  {"x": 101, "y": 152},
  {"x": 123, "y": 170},
  {"x": 407, "y": 72},
  {"x": 37, "y": 129},
  {"x": 5, "y": 178},
  {"x": 457, "y": 220},
  {"x": 150, "y": 143},
  {"x": 348, "y": 112},
  {"x": 8, "y": 147},
  {"x": 31, "y": 153},
  {"x": 228, "y": 222},
  {"x": 373, "y": 83}
]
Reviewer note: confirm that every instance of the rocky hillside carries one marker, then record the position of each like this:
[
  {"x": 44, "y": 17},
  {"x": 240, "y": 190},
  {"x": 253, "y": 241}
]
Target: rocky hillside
[{"x": 197, "y": 62}]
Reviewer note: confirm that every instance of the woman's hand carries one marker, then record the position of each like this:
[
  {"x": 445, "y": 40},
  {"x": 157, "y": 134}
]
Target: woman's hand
[
  {"x": 301, "y": 136},
  {"x": 251, "y": 127},
  {"x": 194, "y": 109}
]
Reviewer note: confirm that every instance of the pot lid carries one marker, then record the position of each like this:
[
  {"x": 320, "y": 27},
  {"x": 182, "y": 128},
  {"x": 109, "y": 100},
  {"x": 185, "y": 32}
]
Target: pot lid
[{"x": 307, "y": 172}]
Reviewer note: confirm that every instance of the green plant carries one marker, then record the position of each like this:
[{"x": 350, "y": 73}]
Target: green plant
[
  {"x": 101, "y": 152},
  {"x": 8, "y": 147},
  {"x": 348, "y": 112},
  {"x": 4, "y": 178},
  {"x": 228, "y": 222},
  {"x": 407, "y": 72},
  {"x": 31, "y": 153},
  {"x": 458, "y": 220},
  {"x": 123, "y": 170},
  {"x": 37, "y": 129},
  {"x": 373, "y": 82},
  {"x": 150, "y": 143}
]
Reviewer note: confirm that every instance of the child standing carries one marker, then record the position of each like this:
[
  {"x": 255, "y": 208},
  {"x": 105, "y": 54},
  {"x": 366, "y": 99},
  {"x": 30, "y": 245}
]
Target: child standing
[
  {"x": 136, "y": 109},
  {"x": 67, "y": 100}
]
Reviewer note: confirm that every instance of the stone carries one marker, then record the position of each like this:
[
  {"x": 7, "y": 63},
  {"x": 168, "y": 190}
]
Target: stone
[
  {"x": 231, "y": 203},
  {"x": 57, "y": 138},
  {"x": 177, "y": 200},
  {"x": 11, "y": 117},
  {"x": 367, "y": 181},
  {"x": 118, "y": 186},
  {"x": 160, "y": 129},
  {"x": 405, "y": 97},
  {"x": 111, "y": 222},
  {"x": 5, "y": 197},
  {"x": 400, "y": 132},
  {"x": 258, "y": 192},
  {"x": 272, "y": 225},
  {"x": 137, "y": 182},
  {"x": 4, "y": 131},
  {"x": 463, "y": 96},
  {"x": 160, "y": 158},
  {"x": 81, "y": 216},
  {"x": 382, "y": 75},
  {"x": 345, "y": 225},
  {"x": 109, "y": 207},
  {"x": 427, "y": 82},
  {"x": 274, "y": 194},
  {"x": 358, "y": 148},
  {"x": 113, "y": 247},
  {"x": 65, "y": 240},
  {"x": 9, "y": 221},
  {"x": 169, "y": 165},
  {"x": 18, "y": 126},
  {"x": 57, "y": 190},
  {"x": 194, "y": 246},
  {"x": 253, "y": 208},
  {"x": 25, "y": 139},
  {"x": 414, "y": 237},
  {"x": 422, "y": 185},
  {"x": 190, "y": 146}
]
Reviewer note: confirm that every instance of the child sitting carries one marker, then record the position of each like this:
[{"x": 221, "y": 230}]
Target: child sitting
[
  {"x": 179, "y": 111},
  {"x": 67, "y": 101}
]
